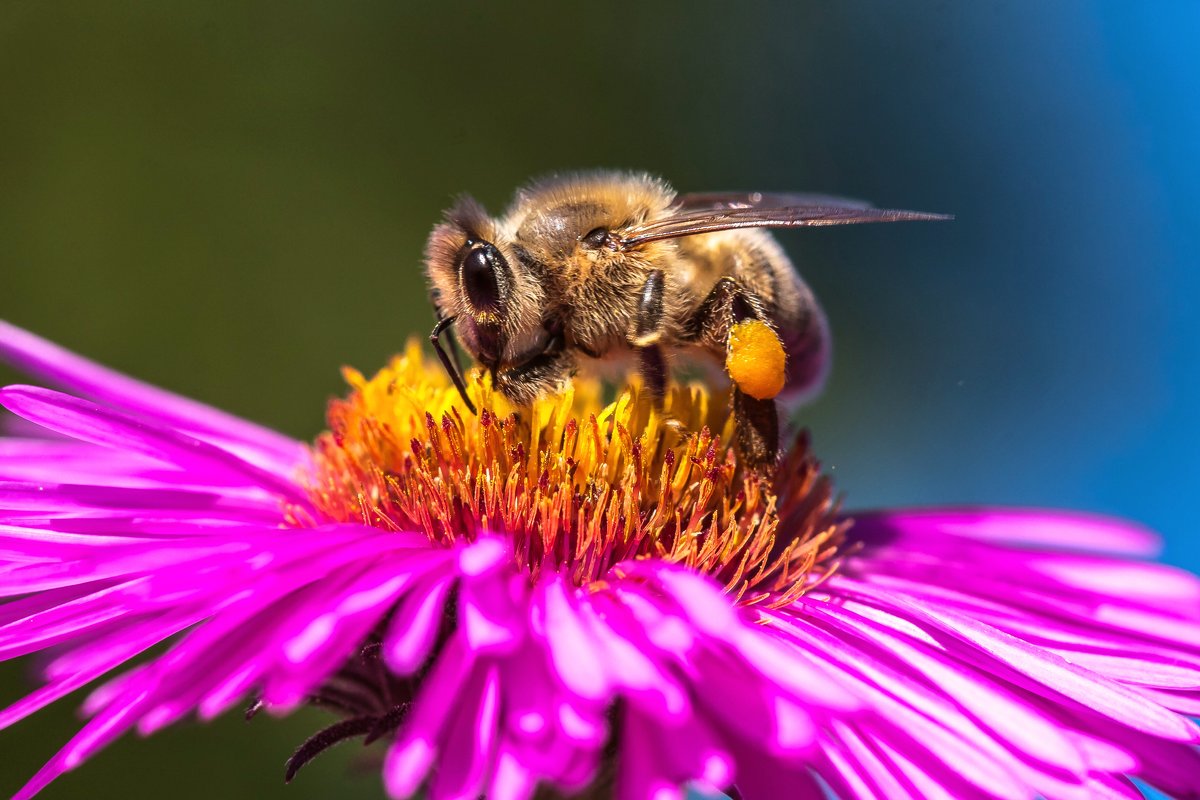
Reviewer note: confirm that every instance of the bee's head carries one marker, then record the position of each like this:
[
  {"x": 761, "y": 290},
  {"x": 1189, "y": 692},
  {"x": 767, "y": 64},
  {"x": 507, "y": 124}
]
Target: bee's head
[{"x": 476, "y": 278}]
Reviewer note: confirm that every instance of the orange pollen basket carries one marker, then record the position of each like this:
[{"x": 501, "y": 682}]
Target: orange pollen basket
[{"x": 574, "y": 483}]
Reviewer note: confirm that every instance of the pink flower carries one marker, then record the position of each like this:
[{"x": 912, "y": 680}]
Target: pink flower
[{"x": 574, "y": 599}]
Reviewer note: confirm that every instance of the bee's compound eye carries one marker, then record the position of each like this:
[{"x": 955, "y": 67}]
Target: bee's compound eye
[
  {"x": 595, "y": 238},
  {"x": 481, "y": 276}
]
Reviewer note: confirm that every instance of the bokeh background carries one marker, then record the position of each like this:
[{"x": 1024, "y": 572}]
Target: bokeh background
[{"x": 230, "y": 200}]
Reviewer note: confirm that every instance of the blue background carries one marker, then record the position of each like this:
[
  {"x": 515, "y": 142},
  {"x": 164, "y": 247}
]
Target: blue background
[{"x": 232, "y": 203}]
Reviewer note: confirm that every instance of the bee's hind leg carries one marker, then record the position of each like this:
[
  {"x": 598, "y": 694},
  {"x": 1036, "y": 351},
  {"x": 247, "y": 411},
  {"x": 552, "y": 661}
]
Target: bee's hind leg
[
  {"x": 753, "y": 356},
  {"x": 756, "y": 424}
]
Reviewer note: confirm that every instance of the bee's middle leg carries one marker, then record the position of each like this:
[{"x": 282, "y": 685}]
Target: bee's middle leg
[{"x": 756, "y": 420}]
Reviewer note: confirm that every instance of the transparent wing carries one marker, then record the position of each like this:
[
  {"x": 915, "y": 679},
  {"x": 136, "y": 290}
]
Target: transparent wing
[
  {"x": 729, "y": 200},
  {"x": 707, "y": 213}
]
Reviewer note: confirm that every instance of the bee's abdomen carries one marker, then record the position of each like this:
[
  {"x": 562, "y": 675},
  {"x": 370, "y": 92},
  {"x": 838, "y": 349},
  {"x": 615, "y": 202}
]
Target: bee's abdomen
[
  {"x": 798, "y": 318},
  {"x": 807, "y": 344}
]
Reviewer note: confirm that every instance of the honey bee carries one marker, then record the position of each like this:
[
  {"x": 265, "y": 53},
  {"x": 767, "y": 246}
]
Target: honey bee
[{"x": 617, "y": 268}]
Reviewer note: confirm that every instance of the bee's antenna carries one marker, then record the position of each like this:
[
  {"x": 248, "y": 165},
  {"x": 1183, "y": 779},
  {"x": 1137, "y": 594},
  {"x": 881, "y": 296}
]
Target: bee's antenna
[{"x": 450, "y": 367}]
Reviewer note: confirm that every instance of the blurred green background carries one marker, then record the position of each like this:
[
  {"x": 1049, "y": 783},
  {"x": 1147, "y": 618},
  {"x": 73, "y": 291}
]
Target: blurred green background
[{"x": 231, "y": 199}]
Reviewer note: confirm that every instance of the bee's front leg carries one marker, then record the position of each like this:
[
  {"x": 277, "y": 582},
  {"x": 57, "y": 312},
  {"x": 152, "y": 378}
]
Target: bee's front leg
[
  {"x": 645, "y": 335},
  {"x": 732, "y": 323}
]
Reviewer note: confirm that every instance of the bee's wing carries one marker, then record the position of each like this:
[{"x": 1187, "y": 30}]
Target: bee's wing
[
  {"x": 728, "y": 200},
  {"x": 706, "y": 213}
]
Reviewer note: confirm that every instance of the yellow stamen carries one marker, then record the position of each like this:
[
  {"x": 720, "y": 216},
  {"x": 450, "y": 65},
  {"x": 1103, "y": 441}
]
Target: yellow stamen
[{"x": 572, "y": 482}]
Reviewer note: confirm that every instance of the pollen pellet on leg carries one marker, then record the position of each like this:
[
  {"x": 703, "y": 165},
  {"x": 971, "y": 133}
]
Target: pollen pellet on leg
[{"x": 756, "y": 359}]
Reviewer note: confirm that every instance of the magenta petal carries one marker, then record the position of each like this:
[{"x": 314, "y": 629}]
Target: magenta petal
[
  {"x": 89, "y": 422},
  {"x": 370, "y": 596},
  {"x": 966, "y": 653},
  {"x": 1152, "y": 584},
  {"x": 734, "y": 697},
  {"x": 492, "y": 602},
  {"x": 692, "y": 752},
  {"x": 1173, "y": 769},
  {"x": 1088, "y": 688},
  {"x": 862, "y": 770},
  {"x": 760, "y": 778},
  {"x": 100, "y": 653},
  {"x": 920, "y": 715},
  {"x": 1000, "y": 710},
  {"x": 570, "y": 645},
  {"x": 1187, "y": 704},
  {"x": 1102, "y": 755},
  {"x": 484, "y": 556},
  {"x": 328, "y": 639},
  {"x": 640, "y": 776},
  {"x": 69, "y": 461},
  {"x": 700, "y": 599},
  {"x": 529, "y": 702},
  {"x": 117, "y": 561},
  {"x": 406, "y": 766},
  {"x": 666, "y": 632},
  {"x": 1107, "y": 787},
  {"x": 35, "y": 356},
  {"x": 1041, "y": 528},
  {"x": 216, "y": 661},
  {"x": 420, "y": 740},
  {"x": 923, "y": 782},
  {"x": 558, "y": 762},
  {"x": 43, "y": 544},
  {"x": 645, "y": 682},
  {"x": 47, "y": 694},
  {"x": 972, "y": 770},
  {"x": 23, "y": 502},
  {"x": 1150, "y": 625},
  {"x": 414, "y": 627},
  {"x": 794, "y": 671},
  {"x": 1140, "y": 671},
  {"x": 512, "y": 779},
  {"x": 101, "y": 730},
  {"x": 469, "y": 748},
  {"x": 580, "y": 721}
]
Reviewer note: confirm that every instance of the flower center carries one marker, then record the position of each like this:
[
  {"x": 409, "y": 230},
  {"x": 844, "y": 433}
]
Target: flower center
[{"x": 571, "y": 482}]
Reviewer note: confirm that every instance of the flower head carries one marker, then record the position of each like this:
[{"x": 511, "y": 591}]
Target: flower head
[
  {"x": 578, "y": 596},
  {"x": 572, "y": 485}
]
